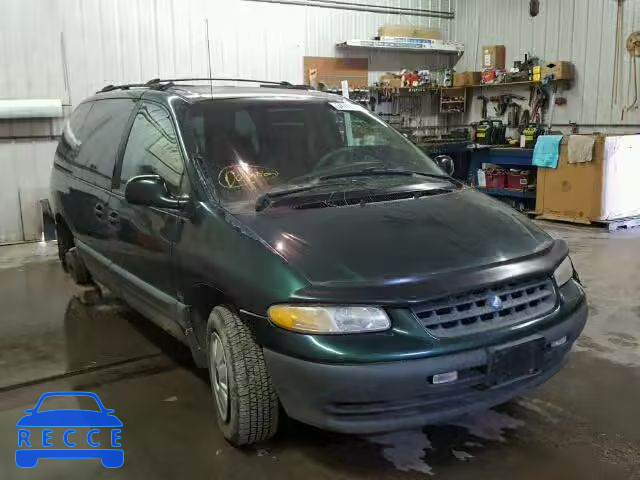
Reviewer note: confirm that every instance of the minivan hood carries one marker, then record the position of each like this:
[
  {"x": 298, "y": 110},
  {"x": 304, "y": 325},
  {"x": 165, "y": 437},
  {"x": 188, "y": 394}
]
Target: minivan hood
[{"x": 398, "y": 240}]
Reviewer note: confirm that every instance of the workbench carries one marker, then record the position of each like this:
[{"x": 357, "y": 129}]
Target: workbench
[
  {"x": 444, "y": 147},
  {"x": 507, "y": 157}
]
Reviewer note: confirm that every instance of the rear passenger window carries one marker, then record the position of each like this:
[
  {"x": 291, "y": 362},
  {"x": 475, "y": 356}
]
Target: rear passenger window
[
  {"x": 153, "y": 149},
  {"x": 102, "y": 133},
  {"x": 72, "y": 135}
]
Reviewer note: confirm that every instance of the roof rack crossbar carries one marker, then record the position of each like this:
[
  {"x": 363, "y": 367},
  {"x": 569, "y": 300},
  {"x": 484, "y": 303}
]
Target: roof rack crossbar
[
  {"x": 125, "y": 86},
  {"x": 163, "y": 84},
  {"x": 249, "y": 80}
]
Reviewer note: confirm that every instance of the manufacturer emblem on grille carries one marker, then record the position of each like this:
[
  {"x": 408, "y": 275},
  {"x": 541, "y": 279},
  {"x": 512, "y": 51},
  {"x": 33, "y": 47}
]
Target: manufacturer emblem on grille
[{"x": 494, "y": 301}]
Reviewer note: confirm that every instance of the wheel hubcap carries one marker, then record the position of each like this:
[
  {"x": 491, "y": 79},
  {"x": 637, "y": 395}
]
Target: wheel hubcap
[{"x": 219, "y": 376}]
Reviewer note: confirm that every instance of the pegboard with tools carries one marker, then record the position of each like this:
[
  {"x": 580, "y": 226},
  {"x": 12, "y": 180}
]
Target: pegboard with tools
[{"x": 406, "y": 107}]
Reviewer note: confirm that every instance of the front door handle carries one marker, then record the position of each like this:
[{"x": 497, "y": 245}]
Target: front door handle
[
  {"x": 98, "y": 210},
  {"x": 114, "y": 217}
]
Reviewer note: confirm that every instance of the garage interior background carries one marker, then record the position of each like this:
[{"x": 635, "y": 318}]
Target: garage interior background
[{"x": 74, "y": 47}]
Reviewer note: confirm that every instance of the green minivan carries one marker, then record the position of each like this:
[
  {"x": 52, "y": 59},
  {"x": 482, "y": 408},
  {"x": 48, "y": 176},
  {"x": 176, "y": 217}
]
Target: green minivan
[{"x": 314, "y": 260}]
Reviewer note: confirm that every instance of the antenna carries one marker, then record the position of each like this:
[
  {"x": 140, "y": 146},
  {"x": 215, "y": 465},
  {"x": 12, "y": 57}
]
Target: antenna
[
  {"x": 65, "y": 69},
  {"x": 206, "y": 26}
]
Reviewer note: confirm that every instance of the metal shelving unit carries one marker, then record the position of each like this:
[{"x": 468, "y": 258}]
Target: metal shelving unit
[
  {"x": 435, "y": 46},
  {"x": 507, "y": 157}
]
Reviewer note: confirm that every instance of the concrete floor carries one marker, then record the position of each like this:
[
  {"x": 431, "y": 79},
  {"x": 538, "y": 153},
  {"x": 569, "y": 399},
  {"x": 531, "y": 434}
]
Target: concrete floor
[{"x": 583, "y": 424}]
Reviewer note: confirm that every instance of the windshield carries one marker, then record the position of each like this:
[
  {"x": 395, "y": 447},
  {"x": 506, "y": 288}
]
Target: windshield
[{"x": 259, "y": 145}]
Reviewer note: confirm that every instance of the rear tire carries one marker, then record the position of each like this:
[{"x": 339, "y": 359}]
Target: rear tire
[{"x": 249, "y": 411}]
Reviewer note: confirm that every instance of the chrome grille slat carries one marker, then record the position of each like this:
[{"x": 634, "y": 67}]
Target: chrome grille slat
[{"x": 467, "y": 313}]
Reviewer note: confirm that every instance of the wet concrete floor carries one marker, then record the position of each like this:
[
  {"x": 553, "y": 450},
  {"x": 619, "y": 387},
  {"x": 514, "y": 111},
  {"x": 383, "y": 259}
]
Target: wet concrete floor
[{"x": 583, "y": 424}]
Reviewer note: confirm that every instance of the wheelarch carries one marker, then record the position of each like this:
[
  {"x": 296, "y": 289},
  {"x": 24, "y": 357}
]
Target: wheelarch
[
  {"x": 62, "y": 223},
  {"x": 203, "y": 298}
]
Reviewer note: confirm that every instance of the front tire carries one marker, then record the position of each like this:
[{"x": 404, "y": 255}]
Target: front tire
[
  {"x": 65, "y": 243},
  {"x": 75, "y": 267},
  {"x": 245, "y": 400}
]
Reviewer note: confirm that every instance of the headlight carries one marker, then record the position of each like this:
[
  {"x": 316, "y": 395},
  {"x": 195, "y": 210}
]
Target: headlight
[
  {"x": 564, "y": 272},
  {"x": 329, "y": 319}
]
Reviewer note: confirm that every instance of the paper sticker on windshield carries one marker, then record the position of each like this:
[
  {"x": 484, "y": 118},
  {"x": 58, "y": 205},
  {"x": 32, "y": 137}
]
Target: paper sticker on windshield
[
  {"x": 347, "y": 106},
  {"x": 238, "y": 176}
]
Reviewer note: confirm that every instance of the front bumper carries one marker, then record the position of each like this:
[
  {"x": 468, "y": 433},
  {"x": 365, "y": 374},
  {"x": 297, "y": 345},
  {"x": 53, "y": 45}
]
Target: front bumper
[{"x": 389, "y": 396}]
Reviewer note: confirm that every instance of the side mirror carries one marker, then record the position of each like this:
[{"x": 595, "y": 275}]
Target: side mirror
[
  {"x": 152, "y": 191},
  {"x": 445, "y": 162}
]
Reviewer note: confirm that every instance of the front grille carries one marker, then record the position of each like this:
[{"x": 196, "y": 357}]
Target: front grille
[{"x": 473, "y": 312}]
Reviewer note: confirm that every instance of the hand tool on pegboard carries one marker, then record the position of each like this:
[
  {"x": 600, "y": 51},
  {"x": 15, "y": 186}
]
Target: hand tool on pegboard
[{"x": 633, "y": 47}]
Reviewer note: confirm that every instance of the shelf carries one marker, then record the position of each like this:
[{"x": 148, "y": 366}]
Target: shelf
[
  {"x": 435, "y": 46},
  {"x": 453, "y": 101},
  {"x": 421, "y": 89},
  {"x": 504, "y": 192},
  {"x": 505, "y": 84},
  {"x": 509, "y": 84}
]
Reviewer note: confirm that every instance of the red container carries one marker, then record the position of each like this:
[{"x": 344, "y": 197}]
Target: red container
[
  {"x": 495, "y": 178},
  {"x": 518, "y": 179}
]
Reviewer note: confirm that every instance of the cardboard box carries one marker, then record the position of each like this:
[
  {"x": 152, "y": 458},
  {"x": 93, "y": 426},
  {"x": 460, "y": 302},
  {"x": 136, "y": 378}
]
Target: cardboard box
[
  {"x": 390, "y": 80},
  {"x": 603, "y": 189},
  {"x": 409, "y": 31},
  {"x": 330, "y": 71},
  {"x": 472, "y": 78},
  {"x": 459, "y": 79},
  {"x": 493, "y": 56},
  {"x": 561, "y": 70}
]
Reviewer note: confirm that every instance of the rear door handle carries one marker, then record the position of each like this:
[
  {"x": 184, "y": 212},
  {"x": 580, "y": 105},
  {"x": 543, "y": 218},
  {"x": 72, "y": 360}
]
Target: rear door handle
[
  {"x": 114, "y": 217},
  {"x": 98, "y": 210}
]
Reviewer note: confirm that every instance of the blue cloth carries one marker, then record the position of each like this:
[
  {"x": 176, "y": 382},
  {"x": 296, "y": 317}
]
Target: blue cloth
[{"x": 547, "y": 151}]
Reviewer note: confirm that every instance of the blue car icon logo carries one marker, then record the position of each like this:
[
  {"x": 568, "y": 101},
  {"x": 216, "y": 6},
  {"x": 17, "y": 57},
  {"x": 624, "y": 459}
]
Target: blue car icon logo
[{"x": 41, "y": 427}]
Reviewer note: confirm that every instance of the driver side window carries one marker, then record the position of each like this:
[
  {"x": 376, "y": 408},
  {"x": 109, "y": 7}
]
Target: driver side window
[{"x": 153, "y": 149}]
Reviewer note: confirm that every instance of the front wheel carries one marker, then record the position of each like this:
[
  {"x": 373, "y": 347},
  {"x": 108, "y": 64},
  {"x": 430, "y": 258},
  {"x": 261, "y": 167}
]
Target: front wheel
[
  {"x": 65, "y": 243},
  {"x": 76, "y": 267},
  {"x": 245, "y": 400}
]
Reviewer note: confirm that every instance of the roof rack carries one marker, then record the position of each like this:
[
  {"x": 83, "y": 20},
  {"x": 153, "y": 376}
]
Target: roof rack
[
  {"x": 167, "y": 83},
  {"x": 163, "y": 84},
  {"x": 174, "y": 80}
]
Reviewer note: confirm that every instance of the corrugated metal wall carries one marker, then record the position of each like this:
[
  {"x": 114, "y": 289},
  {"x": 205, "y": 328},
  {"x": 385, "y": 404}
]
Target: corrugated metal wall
[
  {"x": 581, "y": 31},
  {"x": 119, "y": 41},
  {"x": 114, "y": 41},
  {"x": 135, "y": 40}
]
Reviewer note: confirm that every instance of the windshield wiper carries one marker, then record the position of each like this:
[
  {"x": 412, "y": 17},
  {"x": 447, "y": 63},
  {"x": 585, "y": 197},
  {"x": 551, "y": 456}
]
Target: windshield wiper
[
  {"x": 383, "y": 171},
  {"x": 266, "y": 199}
]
